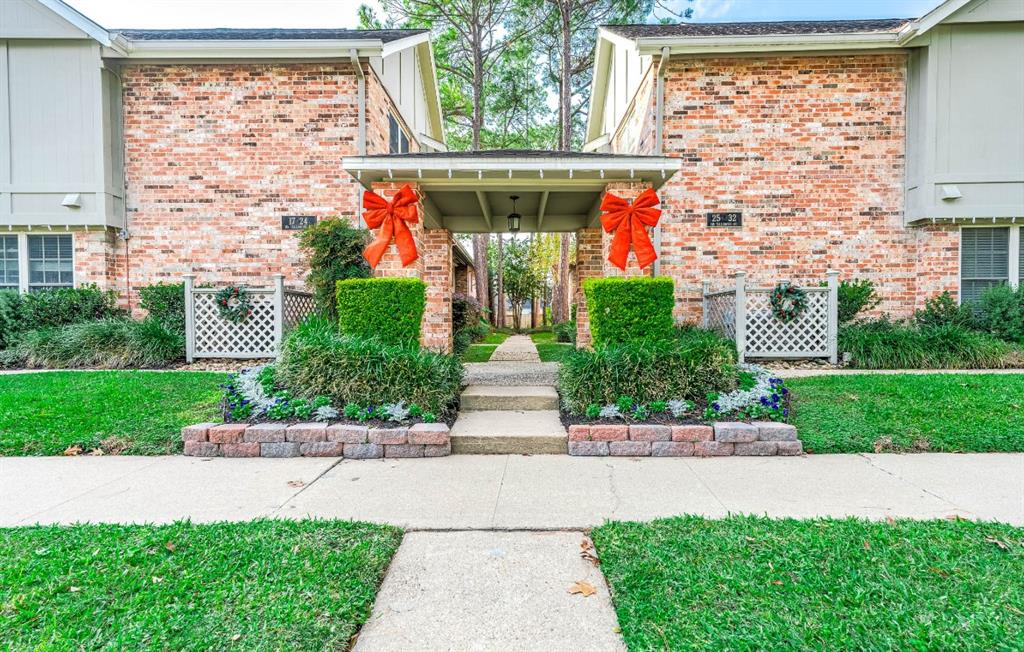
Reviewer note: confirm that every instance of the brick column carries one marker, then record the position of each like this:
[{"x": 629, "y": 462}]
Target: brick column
[
  {"x": 438, "y": 274},
  {"x": 434, "y": 267},
  {"x": 589, "y": 264},
  {"x": 628, "y": 191}
]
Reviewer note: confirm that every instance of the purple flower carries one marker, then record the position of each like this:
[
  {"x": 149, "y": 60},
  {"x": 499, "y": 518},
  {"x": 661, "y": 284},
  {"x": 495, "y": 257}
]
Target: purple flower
[
  {"x": 785, "y": 412},
  {"x": 716, "y": 407}
]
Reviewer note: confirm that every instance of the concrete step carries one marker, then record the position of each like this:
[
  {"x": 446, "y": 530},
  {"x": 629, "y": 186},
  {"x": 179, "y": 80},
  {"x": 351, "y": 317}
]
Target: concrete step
[
  {"x": 512, "y": 374},
  {"x": 509, "y": 432},
  {"x": 498, "y": 397}
]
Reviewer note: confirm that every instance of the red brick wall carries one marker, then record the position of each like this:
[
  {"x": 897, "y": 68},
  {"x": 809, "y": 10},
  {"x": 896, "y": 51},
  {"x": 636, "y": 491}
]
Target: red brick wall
[
  {"x": 217, "y": 153},
  {"x": 811, "y": 150}
]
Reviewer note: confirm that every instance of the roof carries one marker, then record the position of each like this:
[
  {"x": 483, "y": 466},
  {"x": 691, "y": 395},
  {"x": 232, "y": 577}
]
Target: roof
[
  {"x": 225, "y": 34},
  {"x": 761, "y": 28}
]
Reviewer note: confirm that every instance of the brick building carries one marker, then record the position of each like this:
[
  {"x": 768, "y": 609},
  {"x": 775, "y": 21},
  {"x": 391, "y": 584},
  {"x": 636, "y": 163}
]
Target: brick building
[{"x": 889, "y": 149}]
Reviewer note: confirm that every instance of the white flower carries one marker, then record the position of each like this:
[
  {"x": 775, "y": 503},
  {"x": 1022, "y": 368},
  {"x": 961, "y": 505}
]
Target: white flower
[{"x": 765, "y": 385}]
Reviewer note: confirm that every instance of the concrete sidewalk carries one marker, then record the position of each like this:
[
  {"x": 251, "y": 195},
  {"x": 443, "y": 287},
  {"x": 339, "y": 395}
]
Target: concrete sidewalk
[{"x": 508, "y": 491}]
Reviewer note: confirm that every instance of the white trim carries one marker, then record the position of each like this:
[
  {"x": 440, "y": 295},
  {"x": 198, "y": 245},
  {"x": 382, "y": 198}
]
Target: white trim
[
  {"x": 1013, "y": 269},
  {"x": 923, "y": 24},
  {"x": 767, "y": 43},
  {"x": 250, "y": 49},
  {"x": 71, "y": 15},
  {"x": 23, "y": 261}
]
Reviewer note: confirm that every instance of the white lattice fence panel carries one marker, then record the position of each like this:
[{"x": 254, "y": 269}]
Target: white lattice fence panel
[
  {"x": 297, "y": 306},
  {"x": 216, "y": 337},
  {"x": 807, "y": 335},
  {"x": 721, "y": 313}
]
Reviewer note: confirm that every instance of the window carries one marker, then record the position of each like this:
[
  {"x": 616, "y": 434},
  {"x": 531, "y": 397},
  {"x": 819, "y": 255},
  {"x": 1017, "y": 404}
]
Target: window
[
  {"x": 989, "y": 256},
  {"x": 398, "y": 142},
  {"x": 50, "y": 262},
  {"x": 9, "y": 262}
]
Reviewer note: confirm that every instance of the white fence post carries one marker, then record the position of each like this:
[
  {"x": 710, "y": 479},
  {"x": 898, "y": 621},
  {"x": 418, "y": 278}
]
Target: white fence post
[
  {"x": 705, "y": 290},
  {"x": 190, "y": 319},
  {"x": 741, "y": 315},
  {"x": 833, "y": 316},
  {"x": 278, "y": 312}
]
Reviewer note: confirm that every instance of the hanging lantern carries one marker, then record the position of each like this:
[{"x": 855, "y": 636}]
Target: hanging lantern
[{"x": 514, "y": 217}]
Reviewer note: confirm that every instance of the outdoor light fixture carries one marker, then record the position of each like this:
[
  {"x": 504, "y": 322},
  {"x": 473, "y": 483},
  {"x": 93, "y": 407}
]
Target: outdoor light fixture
[{"x": 513, "y": 217}]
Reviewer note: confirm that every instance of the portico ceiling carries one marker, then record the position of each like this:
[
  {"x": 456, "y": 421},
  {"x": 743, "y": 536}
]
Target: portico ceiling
[{"x": 468, "y": 192}]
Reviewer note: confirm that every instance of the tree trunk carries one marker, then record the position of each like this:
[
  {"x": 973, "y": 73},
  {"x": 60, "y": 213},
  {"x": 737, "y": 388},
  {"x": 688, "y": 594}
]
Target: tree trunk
[
  {"x": 560, "y": 300},
  {"x": 483, "y": 292},
  {"x": 499, "y": 303},
  {"x": 564, "y": 74}
]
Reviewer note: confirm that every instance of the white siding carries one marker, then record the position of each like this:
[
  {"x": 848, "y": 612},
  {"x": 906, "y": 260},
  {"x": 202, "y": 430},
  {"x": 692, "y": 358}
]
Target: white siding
[{"x": 29, "y": 19}]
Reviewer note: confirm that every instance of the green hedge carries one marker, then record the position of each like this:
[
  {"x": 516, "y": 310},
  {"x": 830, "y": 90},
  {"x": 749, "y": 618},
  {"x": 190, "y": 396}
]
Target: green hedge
[
  {"x": 389, "y": 309},
  {"x": 317, "y": 360},
  {"x": 688, "y": 365},
  {"x": 629, "y": 309},
  {"x": 886, "y": 344},
  {"x": 165, "y": 302}
]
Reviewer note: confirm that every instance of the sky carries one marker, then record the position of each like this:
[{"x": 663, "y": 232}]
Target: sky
[{"x": 169, "y": 14}]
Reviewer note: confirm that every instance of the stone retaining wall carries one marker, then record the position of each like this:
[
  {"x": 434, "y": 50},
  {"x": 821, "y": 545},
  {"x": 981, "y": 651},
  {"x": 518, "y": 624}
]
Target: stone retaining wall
[
  {"x": 721, "y": 439},
  {"x": 315, "y": 440}
]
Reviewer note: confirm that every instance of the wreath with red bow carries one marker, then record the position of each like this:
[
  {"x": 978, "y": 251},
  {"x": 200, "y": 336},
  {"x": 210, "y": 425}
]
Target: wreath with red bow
[
  {"x": 788, "y": 302},
  {"x": 233, "y": 304}
]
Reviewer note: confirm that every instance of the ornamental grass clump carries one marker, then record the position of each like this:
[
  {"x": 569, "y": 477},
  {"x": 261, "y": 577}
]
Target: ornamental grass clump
[
  {"x": 317, "y": 360},
  {"x": 102, "y": 344},
  {"x": 888, "y": 344}
]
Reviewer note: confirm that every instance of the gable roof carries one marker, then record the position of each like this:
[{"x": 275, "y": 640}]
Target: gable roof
[
  {"x": 892, "y": 25},
  {"x": 230, "y": 34}
]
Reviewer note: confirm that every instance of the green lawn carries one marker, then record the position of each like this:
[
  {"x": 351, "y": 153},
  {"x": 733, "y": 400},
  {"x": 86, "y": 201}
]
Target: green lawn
[
  {"x": 937, "y": 412},
  {"x": 478, "y": 352},
  {"x": 262, "y": 585},
  {"x": 495, "y": 337},
  {"x": 548, "y": 349},
  {"x": 134, "y": 412},
  {"x": 751, "y": 583}
]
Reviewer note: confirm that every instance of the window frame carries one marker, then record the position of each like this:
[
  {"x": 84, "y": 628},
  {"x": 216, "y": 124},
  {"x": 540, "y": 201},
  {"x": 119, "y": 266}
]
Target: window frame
[
  {"x": 17, "y": 261},
  {"x": 23, "y": 259},
  {"x": 1014, "y": 255},
  {"x": 395, "y": 129}
]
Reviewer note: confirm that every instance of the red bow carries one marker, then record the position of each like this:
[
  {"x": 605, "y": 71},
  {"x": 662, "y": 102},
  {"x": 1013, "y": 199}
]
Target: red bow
[
  {"x": 391, "y": 216},
  {"x": 628, "y": 222}
]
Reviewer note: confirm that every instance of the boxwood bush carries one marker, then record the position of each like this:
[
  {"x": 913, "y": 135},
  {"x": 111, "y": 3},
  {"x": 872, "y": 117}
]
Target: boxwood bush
[
  {"x": 317, "y": 360},
  {"x": 689, "y": 364},
  {"x": 389, "y": 309},
  {"x": 629, "y": 309}
]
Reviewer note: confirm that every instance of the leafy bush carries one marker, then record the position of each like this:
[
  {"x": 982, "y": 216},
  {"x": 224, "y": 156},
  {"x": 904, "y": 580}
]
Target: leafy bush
[
  {"x": 106, "y": 344},
  {"x": 687, "y": 366},
  {"x": 165, "y": 302},
  {"x": 629, "y": 309},
  {"x": 10, "y": 317},
  {"x": 60, "y": 306},
  {"x": 335, "y": 251},
  {"x": 317, "y": 360},
  {"x": 886, "y": 344},
  {"x": 390, "y": 309},
  {"x": 943, "y": 310},
  {"x": 565, "y": 332},
  {"x": 1001, "y": 312},
  {"x": 856, "y": 296},
  {"x": 467, "y": 322}
]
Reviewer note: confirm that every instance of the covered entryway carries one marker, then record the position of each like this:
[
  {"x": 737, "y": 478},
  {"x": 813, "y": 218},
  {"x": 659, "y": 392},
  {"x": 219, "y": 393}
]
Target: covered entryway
[{"x": 469, "y": 192}]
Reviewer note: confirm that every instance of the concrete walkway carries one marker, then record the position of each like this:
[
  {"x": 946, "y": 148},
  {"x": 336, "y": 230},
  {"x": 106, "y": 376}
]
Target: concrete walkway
[
  {"x": 516, "y": 348},
  {"x": 508, "y": 492}
]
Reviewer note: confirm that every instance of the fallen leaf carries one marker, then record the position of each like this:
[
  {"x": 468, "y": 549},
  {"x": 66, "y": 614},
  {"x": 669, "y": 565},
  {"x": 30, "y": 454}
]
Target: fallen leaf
[
  {"x": 867, "y": 545},
  {"x": 74, "y": 589},
  {"x": 955, "y": 517},
  {"x": 1002, "y": 545},
  {"x": 170, "y": 546},
  {"x": 236, "y": 637},
  {"x": 73, "y": 450},
  {"x": 777, "y": 582},
  {"x": 890, "y": 520},
  {"x": 584, "y": 588},
  {"x": 587, "y": 551},
  {"x": 97, "y": 452},
  {"x": 157, "y": 580},
  {"x": 296, "y": 483}
]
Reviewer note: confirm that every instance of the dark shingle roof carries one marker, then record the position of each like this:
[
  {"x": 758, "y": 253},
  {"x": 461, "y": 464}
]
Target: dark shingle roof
[
  {"x": 225, "y": 34},
  {"x": 761, "y": 29}
]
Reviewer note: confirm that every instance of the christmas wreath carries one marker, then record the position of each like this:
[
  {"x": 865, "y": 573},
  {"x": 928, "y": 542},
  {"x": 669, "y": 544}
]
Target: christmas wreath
[
  {"x": 788, "y": 302},
  {"x": 233, "y": 304}
]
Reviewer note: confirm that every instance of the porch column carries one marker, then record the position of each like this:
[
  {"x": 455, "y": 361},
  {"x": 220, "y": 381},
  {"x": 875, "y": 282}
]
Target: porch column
[{"x": 433, "y": 267}]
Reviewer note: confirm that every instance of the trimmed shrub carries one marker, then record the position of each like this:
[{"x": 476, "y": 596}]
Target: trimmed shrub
[
  {"x": 104, "y": 344},
  {"x": 855, "y": 296},
  {"x": 687, "y": 366},
  {"x": 165, "y": 302},
  {"x": 466, "y": 312},
  {"x": 887, "y": 344},
  {"x": 1001, "y": 312},
  {"x": 629, "y": 309},
  {"x": 10, "y": 317},
  {"x": 60, "y": 306},
  {"x": 317, "y": 360},
  {"x": 943, "y": 310},
  {"x": 335, "y": 251},
  {"x": 389, "y": 309},
  {"x": 565, "y": 332}
]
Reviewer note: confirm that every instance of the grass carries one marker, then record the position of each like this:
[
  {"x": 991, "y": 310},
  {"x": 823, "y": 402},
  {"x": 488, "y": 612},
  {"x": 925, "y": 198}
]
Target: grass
[
  {"x": 746, "y": 583},
  {"x": 548, "y": 349},
  {"x": 252, "y": 586},
  {"x": 907, "y": 412},
  {"x": 134, "y": 412},
  {"x": 479, "y": 352}
]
